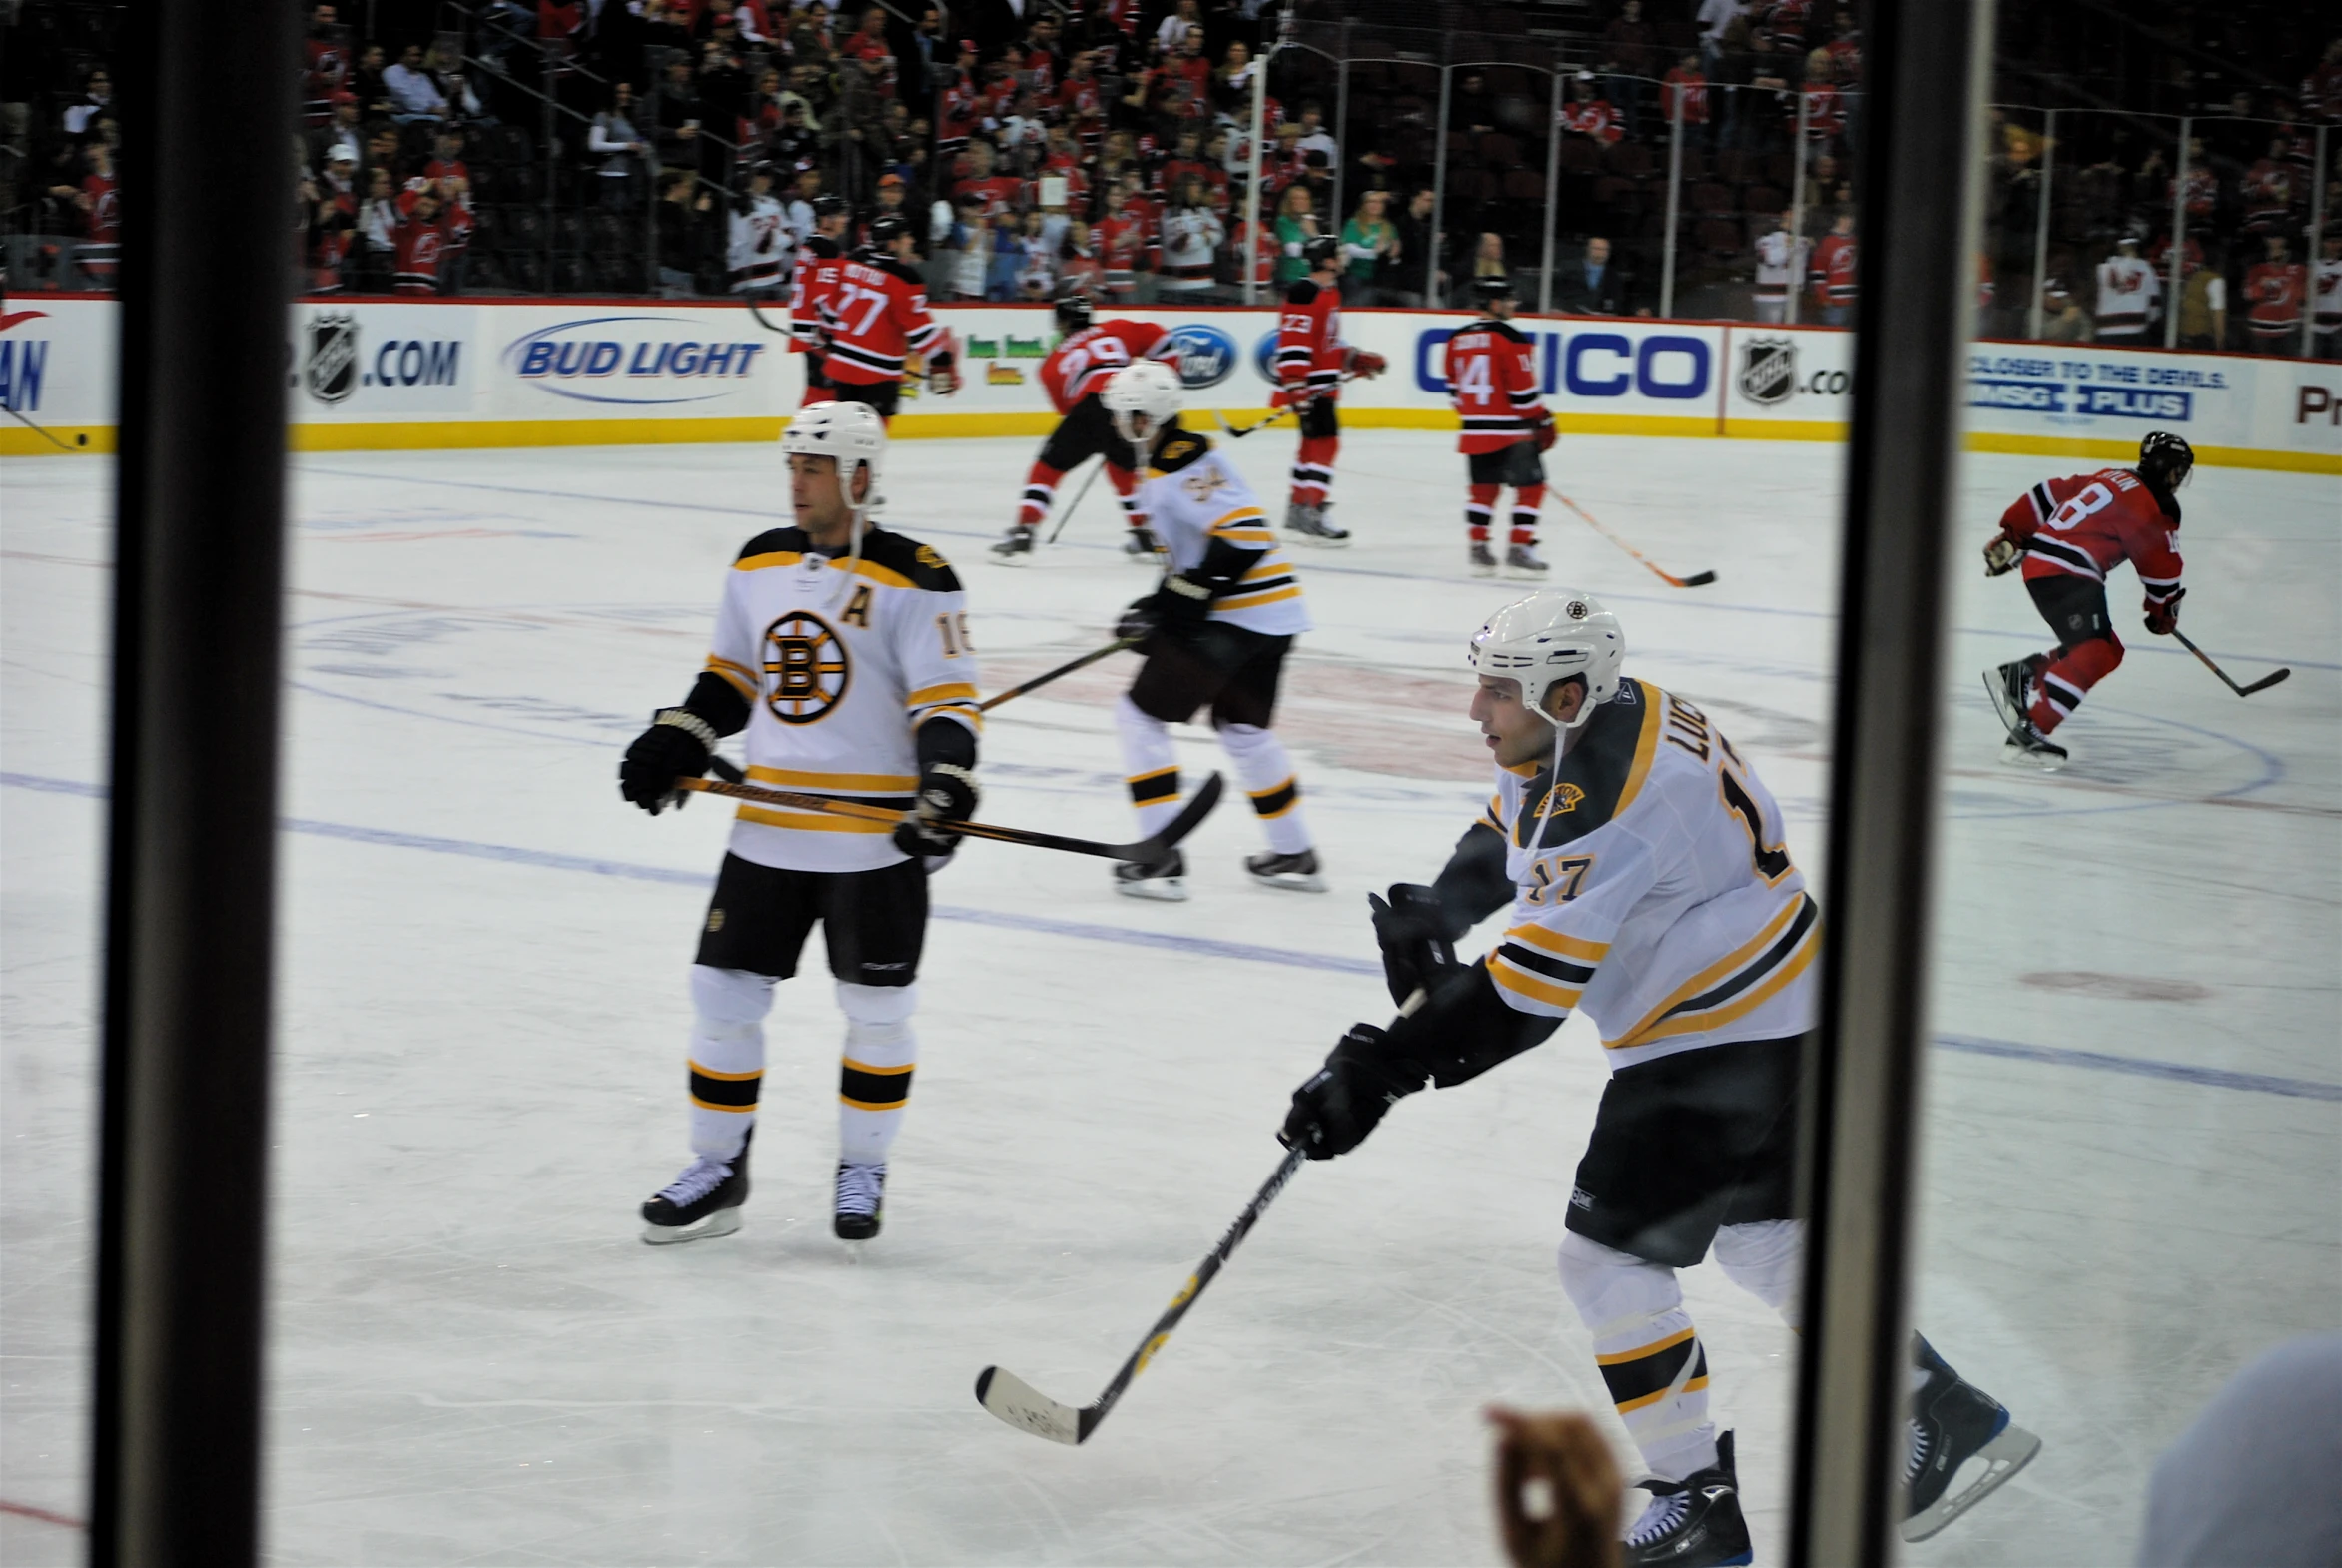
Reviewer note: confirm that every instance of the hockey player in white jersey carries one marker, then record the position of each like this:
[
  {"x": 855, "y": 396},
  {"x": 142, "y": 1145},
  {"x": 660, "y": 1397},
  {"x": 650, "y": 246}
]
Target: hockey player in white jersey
[
  {"x": 1781, "y": 268},
  {"x": 842, "y": 649},
  {"x": 1216, "y": 632},
  {"x": 2130, "y": 294},
  {"x": 1648, "y": 886}
]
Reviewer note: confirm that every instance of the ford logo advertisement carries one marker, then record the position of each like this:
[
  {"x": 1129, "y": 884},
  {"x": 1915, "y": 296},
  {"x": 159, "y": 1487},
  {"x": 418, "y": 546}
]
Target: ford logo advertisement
[
  {"x": 1265, "y": 356},
  {"x": 1207, "y": 356},
  {"x": 636, "y": 360}
]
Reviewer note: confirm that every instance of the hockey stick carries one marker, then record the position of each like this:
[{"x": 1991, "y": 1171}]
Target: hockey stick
[
  {"x": 1146, "y": 851},
  {"x": 1698, "y": 579},
  {"x": 1287, "y": 412},
  {"x": 1067, "y": 515},
  {"x": 2263, "y": 684},
  {"x": 1027, "y": 1408},
  {"x": 1043, "y": 679}
]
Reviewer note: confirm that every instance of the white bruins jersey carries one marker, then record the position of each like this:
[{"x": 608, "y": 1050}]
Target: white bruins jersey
[
  {"x": 1652, "y": 889},
  {"x": 840, "y": 669},
  {"x": 1193, "y": 496}
]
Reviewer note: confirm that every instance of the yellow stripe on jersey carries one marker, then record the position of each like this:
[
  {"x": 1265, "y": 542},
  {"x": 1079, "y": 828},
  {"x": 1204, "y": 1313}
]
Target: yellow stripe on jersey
[
  {"x": 1652, "y": 1348},
  {"x": 1738, "y": 1006},
  {"x": 1692, "y": 1387},
  {"x": 1255, "y": 601},
  {"x": 1646, "y": 747},
  {"x": 853, "y": 1065},
  {"x": 1260, "y": 536},
  {"x": 1271, "y": 566},
  {"x": 1723, "y": 966},
  {"x": 868, "y": 783},
  {"x": 812, "y": 821},
  {"x": 862, "y": 568},
  {"x": 741, "y": 678},
  {"x": 1557, "y": 942},
  {"x": 768, "y": 561},
  {"x": 928, "y": 694},
  {"x": 1241, "y": 514},
  {"x": 1493, "y": 816},
  {"x": 1531, "y": 985}
]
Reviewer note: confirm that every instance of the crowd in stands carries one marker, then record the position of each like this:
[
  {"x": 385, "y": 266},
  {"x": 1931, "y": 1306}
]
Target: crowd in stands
[{"x": 628, "y": 146}]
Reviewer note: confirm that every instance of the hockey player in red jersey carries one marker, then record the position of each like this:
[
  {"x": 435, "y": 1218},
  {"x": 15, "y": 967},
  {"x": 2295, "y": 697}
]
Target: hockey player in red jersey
[
  {"x": 1311, "y": 361},
  {"x": 819, "y": 257},
  {"x": 1492, "y": 379},
  {"x": 2070, "y": 534},
  {"x": 1074, "y": 375},
  {"x": 876, "y": 316}
]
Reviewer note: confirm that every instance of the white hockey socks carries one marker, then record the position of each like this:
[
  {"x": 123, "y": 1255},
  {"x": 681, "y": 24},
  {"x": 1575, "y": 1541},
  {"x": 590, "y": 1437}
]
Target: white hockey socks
[
  {"x": 1650, "y": 1355},
  {"x": 874, "y": 1080},
  {"x": 1150, "y": 765},
  {"x": 1267, "y": 772},
  {"x": 1766, "y": 1259},
  {"x": 727, "y": 1057}
]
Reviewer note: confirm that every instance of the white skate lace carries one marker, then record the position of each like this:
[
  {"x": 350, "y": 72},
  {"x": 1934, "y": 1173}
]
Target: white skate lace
[
  {"x": 700, "y": 1177},
  {"x": 1917, "y": 1459},
  {"x": 1665, "y": 1511},
  {"x": 858, "y": 1189}
]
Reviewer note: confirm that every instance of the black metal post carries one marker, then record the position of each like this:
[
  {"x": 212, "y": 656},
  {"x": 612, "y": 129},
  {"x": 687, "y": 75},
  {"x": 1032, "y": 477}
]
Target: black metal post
[
  {"x": 1918, "y": 241},
  {"x": 199, "y": 558}
]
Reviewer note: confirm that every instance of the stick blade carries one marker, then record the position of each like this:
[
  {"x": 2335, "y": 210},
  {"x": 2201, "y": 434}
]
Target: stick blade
[
  {"x": 2264, "y": 683},
  {"x": 1699, "y": 579},
  {"x": 1027, "y": 1408},
  {"x": 1191, "y": 816}
]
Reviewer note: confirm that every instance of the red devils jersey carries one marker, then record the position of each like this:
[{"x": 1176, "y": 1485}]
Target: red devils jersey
[
  {"x": 1492, "y": 379},
  {"x": 1309, "y": 351},
  {"x": 1080, "y": 364},
  {"x": 1833, "y": 269},
  {"x": 874, "y": 316},
  {"x": 2275, "y": 290},
  {"x": 419, "y": 247},
  {"x": 818, "y": 261},
  {"x": 2088, "y": 525}
]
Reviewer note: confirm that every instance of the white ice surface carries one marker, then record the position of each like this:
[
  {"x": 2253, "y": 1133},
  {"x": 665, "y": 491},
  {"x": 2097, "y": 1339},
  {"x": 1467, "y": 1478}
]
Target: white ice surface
[{"x": 482, "y": 1007}]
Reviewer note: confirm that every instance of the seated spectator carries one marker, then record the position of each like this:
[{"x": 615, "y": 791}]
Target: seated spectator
[
  {"x": 1079, "y": 270},
  {"x": 1487, "y": 260},
  {"x": 1193, "y": 232},
  {"x": 1370, "y": 240},
  {"x": 1315, "y": 138},
  {"x": 1232, "y": 83},
  {"x": 796, "y": 144},
  {"x": 95, "y": 103},
  {"x": 1182, "y": 18},
  {"x": 378, "y": 228},
  {"x": 1593, "y": 286},
  {"x": 443, "y": 62},
  {"x": 95, "y": 203},
  {"x": 1007, "y": 250},
  {"x": 2063, "y": 318},
  {"x": 998, "y": 192},
  {"x": 366, "y": 81},
  {"x": 1037, "y": 260},
  {"x": 1127, "y": 241},
  {"x": 1589, "y": 114},
  {"x": 341, "y": 129},
  {"x": 971, "y": 250},
  {"x": 1296, "y": 223},
  {"x": 413, "y": 90}
]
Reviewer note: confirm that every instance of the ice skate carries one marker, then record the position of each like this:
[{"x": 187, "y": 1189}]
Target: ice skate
[
  {"x": 1296, "y": 872},
  {"x": 703, "y": 1202},
  {"x": 1016, "y": 549},
  {"x": 2028, "y": 747},
  {"x": 1692, "y": 1523},
  {"x": 861, "y": 1201},
  {"x": 1310, "y": 522},
  {"x": 1142, "y": 547},
  {"x": 1962, "y": 1448},
  {"x": 1166, "y": 879},
  {"x": 1522, "y": 562},
  {"x": 1483, "y": 562}
]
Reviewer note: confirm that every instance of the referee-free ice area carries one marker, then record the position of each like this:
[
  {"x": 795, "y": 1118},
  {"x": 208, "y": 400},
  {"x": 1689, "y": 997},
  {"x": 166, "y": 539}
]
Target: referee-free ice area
[{"x": 2130, "y": 1184}]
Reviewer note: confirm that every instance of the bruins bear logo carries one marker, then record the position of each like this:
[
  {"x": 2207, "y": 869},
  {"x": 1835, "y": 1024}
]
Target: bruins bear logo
[{"x": 806, "y": 668}]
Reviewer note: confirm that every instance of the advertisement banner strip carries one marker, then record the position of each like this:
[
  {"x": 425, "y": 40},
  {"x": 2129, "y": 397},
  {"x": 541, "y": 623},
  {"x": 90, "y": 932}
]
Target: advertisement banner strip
[{"x": 420, "y": 436}]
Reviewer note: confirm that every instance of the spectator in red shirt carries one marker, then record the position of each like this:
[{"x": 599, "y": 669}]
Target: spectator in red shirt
[
  {"x": 2268, "y": 189},
  {"x": 1688, "y": 82},
  {"x": 867, "y": 42},
  {"x": 998, "y": 192},
  {"x": 1833, "y": 273},
  {"x": 2274, "y": 293},
  {"x": 1588, "y": 114},
  {"x": 325, "y": 54},
  {"x": 421, "y": 242}
]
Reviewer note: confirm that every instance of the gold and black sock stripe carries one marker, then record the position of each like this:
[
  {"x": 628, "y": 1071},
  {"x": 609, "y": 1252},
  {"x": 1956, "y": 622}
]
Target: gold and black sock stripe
[
  {"x": 1647, "y": 1374},
  {"x": 1278, "y": 799},
  {"x": 713, "y": 1091},
  {"x": 1148, "y": 789},
  {"x": 868, "y": 1088}
]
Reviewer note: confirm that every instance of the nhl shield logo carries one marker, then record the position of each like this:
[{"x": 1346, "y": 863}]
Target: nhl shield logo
[
  {"x": 1768, "y": 371},
  {"x": 330, "y": 370}
]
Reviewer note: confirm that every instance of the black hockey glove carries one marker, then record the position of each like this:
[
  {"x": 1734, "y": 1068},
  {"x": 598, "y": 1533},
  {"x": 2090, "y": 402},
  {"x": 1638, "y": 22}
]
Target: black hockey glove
[
  {"x": 2163, "y": 615},
  {"x": 947, "y": 794},
  {"x": 1412, "y": 928},
  {"x": 1343, "y": 1100},
  {"x": 1138, "y": 622},
  {"x": 1183, "y": 602},
  {"x": 677, "y": 745}
]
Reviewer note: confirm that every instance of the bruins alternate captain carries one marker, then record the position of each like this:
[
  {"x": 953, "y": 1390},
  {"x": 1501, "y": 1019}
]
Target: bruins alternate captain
[
  {"x": 842, "y": 649},
  {"x": 1648, "y": 886}
]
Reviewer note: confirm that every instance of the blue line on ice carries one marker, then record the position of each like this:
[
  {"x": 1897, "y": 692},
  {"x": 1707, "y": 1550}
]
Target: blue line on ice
[{"x": 2093, "y": 1061}]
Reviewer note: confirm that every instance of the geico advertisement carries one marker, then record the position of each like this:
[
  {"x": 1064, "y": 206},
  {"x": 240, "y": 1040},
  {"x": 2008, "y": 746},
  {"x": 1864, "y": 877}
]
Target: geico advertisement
[
  {"x": 607, "y": 362},
  {"x": 353, "y": 360},
  {"x": 1591, "y": 366}
]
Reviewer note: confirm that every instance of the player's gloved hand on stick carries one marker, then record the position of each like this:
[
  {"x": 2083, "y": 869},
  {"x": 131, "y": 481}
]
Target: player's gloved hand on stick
[
  {"x": 1543, "y": 429},
  {"x": 677, "y": 745},
  {"x": 1343, "y": 1100},
  {"x": 943, "y": 380},
  {"x": 1366, "y": 362},
  {"x": 2001, "y": 555},
  {"x": 1180, "y": 601},
  {"x": 1411, "y": 926},
  {"x": 2163, "y": 618},
  {"x": 946, "y": 795},
  {"x": 1138, "y": 622}
]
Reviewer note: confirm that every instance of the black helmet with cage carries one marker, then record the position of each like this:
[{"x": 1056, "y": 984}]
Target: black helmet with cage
[
  {"x": 2164, "y": 460},
  {"x": 1487, "y": 291}
]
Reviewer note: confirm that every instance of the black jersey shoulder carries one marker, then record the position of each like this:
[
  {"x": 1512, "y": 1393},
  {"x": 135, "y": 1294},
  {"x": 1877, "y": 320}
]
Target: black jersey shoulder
[
  {"x": 1599, "y": 774},
  {"x": 2164, "y": 498},
  {"x": 822, "y": 246},
  {"x": 1183, "y": 448},
  {"x": 775, "y": 541},
  {"x": 1303, "y": 291},
  {"x": 1490, "y": 324},
  {"x": 922, "y": 564},
  {"x": 895, "y": 267}
]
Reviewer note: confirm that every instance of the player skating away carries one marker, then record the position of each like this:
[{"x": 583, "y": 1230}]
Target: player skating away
[
  {"x": 842, "y": 649},
  {"x": 1311, "y": 361},
  {"x": 1074, "y": 374},
  {"x": 876, "y": 315},
  {"x": 1649, "y": 886},
  {"x": 819, "y": 256},
  {"x": 2070, "y": 534},
  {"x": 1493, "y": 377},
  {"x": 1216, "y": 631}
]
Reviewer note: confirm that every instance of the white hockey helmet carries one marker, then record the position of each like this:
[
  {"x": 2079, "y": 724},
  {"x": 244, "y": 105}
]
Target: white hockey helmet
[
  {"x": 1149, "y": 390},
  {"x": 852, "y": 433},
  {"x": 1546, "y": 639}
]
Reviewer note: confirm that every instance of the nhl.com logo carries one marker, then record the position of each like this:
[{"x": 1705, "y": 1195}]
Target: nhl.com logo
[
  {"x": 1768, "y": 371},
  {"x": 330, "y": 366},
  {"x": 1207, "y": 355}
]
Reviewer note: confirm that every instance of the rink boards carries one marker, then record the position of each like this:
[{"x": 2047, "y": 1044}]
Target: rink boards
[{"x": 379, "y": 374}]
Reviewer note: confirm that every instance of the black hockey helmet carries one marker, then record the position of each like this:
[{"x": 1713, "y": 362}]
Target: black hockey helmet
[
  {"x": 887, "y": 228},
  {"x": 2165, "y": 459},
  {"x": 1489, "y": 289},
  {"x": 1073, "y": 313},
  {"x": 830, "y": 207},
  {"x": 1320, "y": 251}
]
